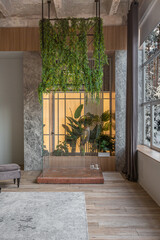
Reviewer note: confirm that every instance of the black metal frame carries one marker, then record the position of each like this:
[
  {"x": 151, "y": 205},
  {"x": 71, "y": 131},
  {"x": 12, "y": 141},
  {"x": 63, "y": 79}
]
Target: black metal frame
[{"x": 98, "y": 12}]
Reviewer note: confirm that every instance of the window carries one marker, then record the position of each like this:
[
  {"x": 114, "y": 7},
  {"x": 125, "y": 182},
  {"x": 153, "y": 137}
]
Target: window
[{"x": 151, "y": 104}]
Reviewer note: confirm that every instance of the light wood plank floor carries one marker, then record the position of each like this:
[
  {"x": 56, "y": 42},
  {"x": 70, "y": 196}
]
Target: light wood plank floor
[{"x": 117, "y": 209}]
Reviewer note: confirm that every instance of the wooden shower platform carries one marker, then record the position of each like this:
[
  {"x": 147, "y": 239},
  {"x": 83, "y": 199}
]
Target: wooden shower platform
[{"x": 71, "y": 175}]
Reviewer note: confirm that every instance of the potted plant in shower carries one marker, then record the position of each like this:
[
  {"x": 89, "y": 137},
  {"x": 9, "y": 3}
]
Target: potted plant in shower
[
  {"x": 78, "y": 128},
  {"x": 61, "y": 149},
  {"x": 99, "y": 139},
  {"x": 105, "y": 145},
  {"x": 75, "y": 130},
  {"x": 89, "y": 128}
]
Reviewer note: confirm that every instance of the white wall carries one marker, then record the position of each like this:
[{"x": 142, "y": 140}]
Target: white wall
[
  {"x": 149, "y": 175},
  {"x": 11, "y": 108}
]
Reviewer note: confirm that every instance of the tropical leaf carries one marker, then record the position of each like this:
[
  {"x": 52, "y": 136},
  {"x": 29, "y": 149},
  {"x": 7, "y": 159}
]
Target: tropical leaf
[
  {"x": 106, "y": 126},
  {"x": 66, "y": 128},
  {"x": 71, "y": 112},
  {"x": 78, "y": 111},
  {"x": 105, "y": 116},
  {"x": 72, "y": 120},
  {"x": 79, "y": 128},
  {"x": 95, "y": 118}
]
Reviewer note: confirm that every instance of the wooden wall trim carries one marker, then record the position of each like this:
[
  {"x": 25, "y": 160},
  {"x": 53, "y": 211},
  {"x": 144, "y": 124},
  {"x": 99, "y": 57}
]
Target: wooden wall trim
[
  {"x": 27, "y": 38},
  {"x": 115, "y": 38},
  {"x": 19, "y": 39}
]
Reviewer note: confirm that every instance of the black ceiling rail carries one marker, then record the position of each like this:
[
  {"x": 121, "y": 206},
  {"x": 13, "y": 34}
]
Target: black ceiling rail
[
  {"x": 49, "y": 8},
  {"x": 56, "y": 19},
  {"x": 42, "y": 25},
  {"x": 60, "y": 19}
]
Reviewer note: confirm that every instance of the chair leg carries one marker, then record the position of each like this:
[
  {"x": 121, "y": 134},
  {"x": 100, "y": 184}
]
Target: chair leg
[
  {"x": 14, "y": 180},
  {"x": 18, "y": 182}
]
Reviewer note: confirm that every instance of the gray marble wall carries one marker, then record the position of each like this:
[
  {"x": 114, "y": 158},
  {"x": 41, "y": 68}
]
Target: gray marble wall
[
  {"x": 32, "y": 111},
  {"x": 120, "y": 88}
]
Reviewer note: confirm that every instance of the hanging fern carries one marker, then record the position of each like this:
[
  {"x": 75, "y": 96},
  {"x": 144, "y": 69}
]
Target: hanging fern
[{"x": 64, "y": 51}]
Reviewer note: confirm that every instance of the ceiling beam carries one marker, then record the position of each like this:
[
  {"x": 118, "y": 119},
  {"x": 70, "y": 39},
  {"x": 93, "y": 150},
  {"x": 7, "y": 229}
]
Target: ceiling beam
[
  {"x": 4, "y": 8},
  {"x": 114, "y": 7},
  {"x": 58, "y": 8}
]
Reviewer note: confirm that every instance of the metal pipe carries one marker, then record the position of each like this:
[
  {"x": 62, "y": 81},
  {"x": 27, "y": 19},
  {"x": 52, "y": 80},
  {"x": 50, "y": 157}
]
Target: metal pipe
[
  {"x": 56, "y": 19},
  {"x": 42, "y": 25},
  {"x": 96, "y": 10},
  {"x": 99, "y": 32},
  {"x": 42, "y": 10},
  {"x": 49, "y": 4},
  {"x": 42, "y": 94}
]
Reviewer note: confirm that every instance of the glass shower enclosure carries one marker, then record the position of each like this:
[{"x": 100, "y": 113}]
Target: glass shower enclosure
[{"x": 76, "y": 130}]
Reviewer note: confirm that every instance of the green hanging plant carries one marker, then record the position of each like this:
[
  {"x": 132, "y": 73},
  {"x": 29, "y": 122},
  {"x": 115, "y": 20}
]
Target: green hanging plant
[
  {"x": 64, "y": 51},
  {"x": 99, "y": 57}
]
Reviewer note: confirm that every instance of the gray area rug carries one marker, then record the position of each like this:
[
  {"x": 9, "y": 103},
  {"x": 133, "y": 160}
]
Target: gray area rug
[{"x": 43, "y": 216}]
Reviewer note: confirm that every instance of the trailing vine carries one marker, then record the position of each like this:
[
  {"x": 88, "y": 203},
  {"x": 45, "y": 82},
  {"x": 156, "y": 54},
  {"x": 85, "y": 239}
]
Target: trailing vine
[{"x": 64, "y": 54}]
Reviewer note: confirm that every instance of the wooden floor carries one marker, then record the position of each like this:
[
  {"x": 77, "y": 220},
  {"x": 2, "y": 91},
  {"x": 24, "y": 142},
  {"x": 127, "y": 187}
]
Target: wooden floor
[{"x": 117, "y": 209}]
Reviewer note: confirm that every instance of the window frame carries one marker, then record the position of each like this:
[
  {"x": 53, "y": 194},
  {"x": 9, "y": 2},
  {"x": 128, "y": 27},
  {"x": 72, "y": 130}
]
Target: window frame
[{"x": 150, "y": 103}]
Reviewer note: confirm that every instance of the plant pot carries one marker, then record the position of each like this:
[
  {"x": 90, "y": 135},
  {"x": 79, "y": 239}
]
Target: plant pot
[{"x": 103, "y": 154}]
